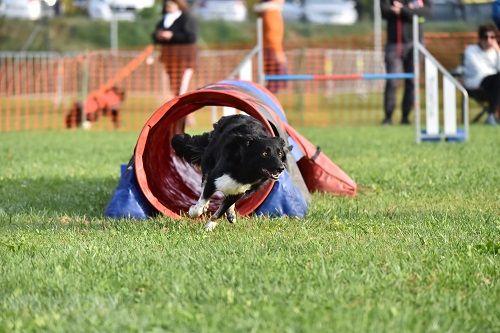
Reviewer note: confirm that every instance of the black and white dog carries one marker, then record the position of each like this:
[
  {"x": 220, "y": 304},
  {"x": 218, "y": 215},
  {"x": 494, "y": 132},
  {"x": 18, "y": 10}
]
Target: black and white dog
[{"x": 237, "y": 157}]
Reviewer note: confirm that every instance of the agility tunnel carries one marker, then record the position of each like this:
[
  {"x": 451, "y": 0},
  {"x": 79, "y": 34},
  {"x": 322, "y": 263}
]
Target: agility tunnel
[{"x": 157, "y": 181}]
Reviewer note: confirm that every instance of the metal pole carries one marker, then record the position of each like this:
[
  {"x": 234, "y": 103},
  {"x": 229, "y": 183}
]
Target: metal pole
[
  {"x": 377, "y": 28},
  {"x": 113, "y": 34},
  {"x": 84, "y": 81},
  {"x": 234, "y": 74},
  {"x": 260, "y": 54},
  {"x": 31, "y": 37},
  {"x": 465, "y": 110},
  {"x": 416, "y": 80}
]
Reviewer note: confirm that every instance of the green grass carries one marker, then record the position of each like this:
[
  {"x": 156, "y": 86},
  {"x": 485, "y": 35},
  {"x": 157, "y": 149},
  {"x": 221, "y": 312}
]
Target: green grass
[{"x": 416, "y": 251}]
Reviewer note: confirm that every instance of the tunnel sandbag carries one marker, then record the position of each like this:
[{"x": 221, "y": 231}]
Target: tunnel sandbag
[
  {"x": 128, "y": 201},
  {"x": 169, "y": 183}
]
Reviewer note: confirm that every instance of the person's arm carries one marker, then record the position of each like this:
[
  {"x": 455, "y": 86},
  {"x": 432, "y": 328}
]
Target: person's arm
[
  {"x": 188, "y": 32},
  {"x": 385, "y": 8},
  {"x": 154, "y": 36},
  {"x": 473, "y": 66},
  {"x": 469, "y": 59},
  {"x": 496, "y": 47},
  {"x": 420, "y": 8}
]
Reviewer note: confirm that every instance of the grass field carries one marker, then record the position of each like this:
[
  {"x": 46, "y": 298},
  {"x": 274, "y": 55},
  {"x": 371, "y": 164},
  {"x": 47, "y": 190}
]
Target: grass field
[{"x": 416, "y": 251}]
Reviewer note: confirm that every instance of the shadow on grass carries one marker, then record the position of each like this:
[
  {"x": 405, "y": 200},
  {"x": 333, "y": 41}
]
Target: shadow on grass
[{"x": 56, "y": 196}]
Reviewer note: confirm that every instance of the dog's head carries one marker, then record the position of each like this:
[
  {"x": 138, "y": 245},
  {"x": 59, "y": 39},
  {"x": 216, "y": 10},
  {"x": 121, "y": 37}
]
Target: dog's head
[{"x": 264, "y": 156}]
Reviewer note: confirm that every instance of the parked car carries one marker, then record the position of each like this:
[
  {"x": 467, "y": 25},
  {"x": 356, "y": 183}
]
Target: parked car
[
  {"x": 226, "y": 10},
  {"x": 474, "y": 11},
  {"x": 108, "y": 9},
  {"x": 26, "y": 9},
  {"x": 321, "y": 11}
]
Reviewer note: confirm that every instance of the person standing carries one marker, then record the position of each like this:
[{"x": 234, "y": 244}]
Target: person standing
[
  {"x": 495, "y": 13},
  {"x": 177, "y": 33},
  {"x": 399, "y": 50},
  {"x": 482, "y": 69},
  {"x": 274, "y": 30}
]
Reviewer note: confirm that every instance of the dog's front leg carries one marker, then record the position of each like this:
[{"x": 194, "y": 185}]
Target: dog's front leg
[
  {"x": 231, "y": 214},
  {"x": 227, "y": 205},
  {"x": 201, "y": 205}
]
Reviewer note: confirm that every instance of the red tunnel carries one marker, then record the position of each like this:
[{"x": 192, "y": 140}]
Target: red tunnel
[{"x": 169, "y": 183}]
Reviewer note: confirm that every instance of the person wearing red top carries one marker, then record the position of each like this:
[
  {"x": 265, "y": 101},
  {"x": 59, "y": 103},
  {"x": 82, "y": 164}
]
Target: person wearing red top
[{"x": 274, "y": 30}]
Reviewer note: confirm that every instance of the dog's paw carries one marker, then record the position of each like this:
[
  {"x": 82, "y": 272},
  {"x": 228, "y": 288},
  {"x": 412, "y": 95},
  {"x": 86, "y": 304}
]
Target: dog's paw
[
  {"x": 231, "y": 215},
  {"x": 198, "y": 209},
  {"x": 210, "y": 225},
  {"x": 195, "y": 211}
]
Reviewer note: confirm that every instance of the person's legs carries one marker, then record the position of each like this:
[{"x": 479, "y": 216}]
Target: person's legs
[
  {"x": 115, "y": 117},
  {"x": 171, "y": 58},
  {"x": 172, "y": 70},
  {"x": 273, "y": 66},
  {"x": 409, "y": 90},
  {"x": 391, "y": 65},
  {"x": 490, "y": 86}
]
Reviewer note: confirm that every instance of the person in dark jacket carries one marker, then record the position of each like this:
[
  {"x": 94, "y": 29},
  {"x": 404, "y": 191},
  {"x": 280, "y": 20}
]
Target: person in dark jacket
[
  {"x": 177, "y": 33},
  {"x": 399, "y": 50},
  {"x": 495, "y": 13}
]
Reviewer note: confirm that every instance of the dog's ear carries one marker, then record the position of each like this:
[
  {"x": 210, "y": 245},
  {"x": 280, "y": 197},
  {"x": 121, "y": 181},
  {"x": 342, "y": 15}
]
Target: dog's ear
[
  {"x": 236, "y": 146},
  {"x": 283, "y": 144}
]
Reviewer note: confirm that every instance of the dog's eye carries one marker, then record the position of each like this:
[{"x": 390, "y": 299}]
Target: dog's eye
[
  {"x": 280, "y": 153},
  {"x": 264, "y": 153}
]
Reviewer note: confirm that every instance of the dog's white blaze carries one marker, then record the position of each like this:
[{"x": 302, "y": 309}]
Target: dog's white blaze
[{"x": 229, "y": 186}]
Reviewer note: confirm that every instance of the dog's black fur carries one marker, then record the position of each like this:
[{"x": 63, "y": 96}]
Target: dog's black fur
[{"x": 237, "y": 157}]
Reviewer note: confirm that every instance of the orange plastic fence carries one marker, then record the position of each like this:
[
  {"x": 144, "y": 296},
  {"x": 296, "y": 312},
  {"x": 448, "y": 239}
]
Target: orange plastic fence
[{"x": 38, "y": 90}]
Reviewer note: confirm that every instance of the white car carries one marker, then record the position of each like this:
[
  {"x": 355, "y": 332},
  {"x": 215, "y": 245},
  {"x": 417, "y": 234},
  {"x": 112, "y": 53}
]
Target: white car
[
  {"x": 225, "y": 10},
  {"x": 342, "y": 12},
  {"x": 108, "y": 9},
  {"x": 26, "y": 9}
]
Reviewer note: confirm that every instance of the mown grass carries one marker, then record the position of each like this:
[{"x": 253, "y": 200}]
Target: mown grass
[{"x": 416, "y": 251}]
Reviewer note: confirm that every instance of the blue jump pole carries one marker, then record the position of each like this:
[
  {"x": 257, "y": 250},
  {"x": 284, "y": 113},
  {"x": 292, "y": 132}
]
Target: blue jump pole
[{"x": 340, "y": 77}]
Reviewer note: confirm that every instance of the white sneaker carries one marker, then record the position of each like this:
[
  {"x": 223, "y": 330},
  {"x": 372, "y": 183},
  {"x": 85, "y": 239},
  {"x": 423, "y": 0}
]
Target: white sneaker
[{"x": 491, "y": 119}]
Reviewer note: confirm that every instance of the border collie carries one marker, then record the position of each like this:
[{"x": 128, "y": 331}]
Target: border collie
[{"x": 236, "y": 157}]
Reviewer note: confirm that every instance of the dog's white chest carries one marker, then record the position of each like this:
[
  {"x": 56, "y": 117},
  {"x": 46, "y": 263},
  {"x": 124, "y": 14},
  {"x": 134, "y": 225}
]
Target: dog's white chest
[{"x": 229, "y": 186}]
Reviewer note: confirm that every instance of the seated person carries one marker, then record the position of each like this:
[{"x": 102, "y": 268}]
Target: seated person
[{"x": 482, "y": 69}]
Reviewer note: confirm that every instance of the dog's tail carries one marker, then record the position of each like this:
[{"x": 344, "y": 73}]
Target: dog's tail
[{"x": 189, "y": 147}]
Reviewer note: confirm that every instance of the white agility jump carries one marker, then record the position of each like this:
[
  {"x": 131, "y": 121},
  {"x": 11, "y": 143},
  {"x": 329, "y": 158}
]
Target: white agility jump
[{"x": 442, "y": 121}]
